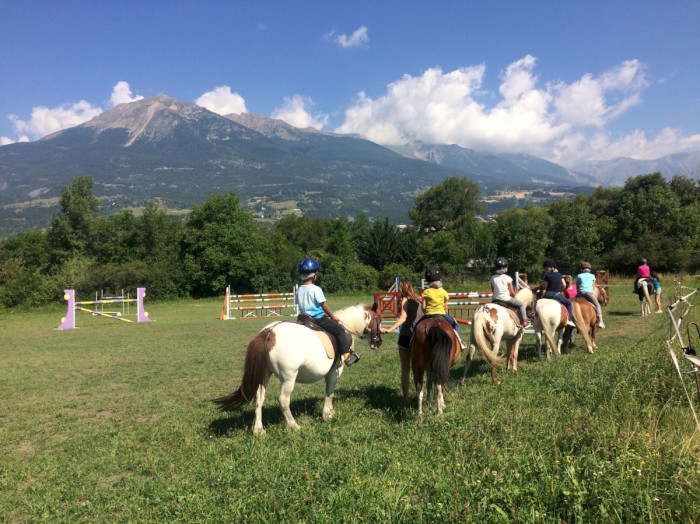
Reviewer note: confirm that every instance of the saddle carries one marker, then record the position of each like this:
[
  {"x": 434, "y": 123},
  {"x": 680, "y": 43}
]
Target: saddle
[
  {"x": 512, "y": 311},
  {"x": 329, "y": 342}
]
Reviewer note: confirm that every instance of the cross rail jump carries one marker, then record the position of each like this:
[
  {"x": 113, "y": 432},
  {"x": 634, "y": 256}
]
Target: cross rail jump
[{"x": 68, "y": 322}]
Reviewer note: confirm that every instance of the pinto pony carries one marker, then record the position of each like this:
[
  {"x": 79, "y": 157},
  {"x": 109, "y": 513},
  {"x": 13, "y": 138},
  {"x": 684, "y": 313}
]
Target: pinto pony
[
  {"x": 296, "y": 353},
  {"x": 435, "y": 348},
  {"x": 492, "y": 323},
  {"x": 645, "y": 288}
]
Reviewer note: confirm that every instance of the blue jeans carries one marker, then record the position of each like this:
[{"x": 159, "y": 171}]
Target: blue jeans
[
  {"x": 561, "y": 299},
  {"x": 448, "y": 318}
]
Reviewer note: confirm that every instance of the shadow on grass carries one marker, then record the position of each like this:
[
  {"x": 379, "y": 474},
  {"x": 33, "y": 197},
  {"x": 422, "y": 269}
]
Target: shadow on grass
[
  {"x": 271, "y": 415},
  {"x": 621, "y": 313}
]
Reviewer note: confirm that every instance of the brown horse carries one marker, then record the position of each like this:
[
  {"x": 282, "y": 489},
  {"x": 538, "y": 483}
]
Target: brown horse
[
  {"x": 434, "y": 350},
  {"x": 586, "y": 322}
]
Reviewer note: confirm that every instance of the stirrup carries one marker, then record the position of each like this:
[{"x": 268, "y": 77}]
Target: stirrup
[{"x": 353, "y": 358}]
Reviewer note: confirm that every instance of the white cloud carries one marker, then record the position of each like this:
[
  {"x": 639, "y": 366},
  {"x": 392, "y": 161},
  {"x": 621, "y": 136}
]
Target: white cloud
[
  {"x": 559, "y": 121},
  {"x": 295, "y": 111},
  {"x": 121, "y": 94},
  {"x": 46, "y": 120},
  {"x": 4, "y": 140},
  {"x": 358, "y": 38},
  {"x": 222, "y": 101}
]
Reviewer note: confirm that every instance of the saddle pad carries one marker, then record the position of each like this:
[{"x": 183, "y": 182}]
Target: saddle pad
[{"x": 326, "y": 340}]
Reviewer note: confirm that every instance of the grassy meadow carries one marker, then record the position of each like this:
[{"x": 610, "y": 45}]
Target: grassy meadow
[{"x": 112, "y": 422}]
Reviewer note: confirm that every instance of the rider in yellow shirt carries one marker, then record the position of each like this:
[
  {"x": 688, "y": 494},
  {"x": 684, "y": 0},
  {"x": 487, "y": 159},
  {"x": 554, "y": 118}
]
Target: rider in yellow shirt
[{"x": 434, "y": 301}]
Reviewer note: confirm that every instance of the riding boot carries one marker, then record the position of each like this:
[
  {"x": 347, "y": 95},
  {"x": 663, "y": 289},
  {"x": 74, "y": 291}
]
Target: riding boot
[{"x": 351, "y": 358}]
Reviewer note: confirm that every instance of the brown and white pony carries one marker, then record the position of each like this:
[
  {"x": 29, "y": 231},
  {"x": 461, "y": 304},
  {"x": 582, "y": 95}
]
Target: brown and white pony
[
  {"x": 296, "y": 353},
  {"x": 492, "y": 323}
]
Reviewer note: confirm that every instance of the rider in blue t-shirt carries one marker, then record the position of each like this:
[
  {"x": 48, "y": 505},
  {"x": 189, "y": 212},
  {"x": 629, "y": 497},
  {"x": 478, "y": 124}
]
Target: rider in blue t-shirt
[
  {"x": 552, "y": 287},
  {"x": 312, "y": 302}
]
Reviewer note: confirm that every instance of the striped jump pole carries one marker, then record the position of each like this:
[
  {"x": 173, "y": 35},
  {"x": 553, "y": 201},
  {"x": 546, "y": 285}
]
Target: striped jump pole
[{"x": 68, "y": 322}]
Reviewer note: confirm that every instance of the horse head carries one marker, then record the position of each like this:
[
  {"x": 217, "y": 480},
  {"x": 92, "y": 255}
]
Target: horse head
[
  {"x": 373, "y": 330},
  {"x": 602, "y": 295}
]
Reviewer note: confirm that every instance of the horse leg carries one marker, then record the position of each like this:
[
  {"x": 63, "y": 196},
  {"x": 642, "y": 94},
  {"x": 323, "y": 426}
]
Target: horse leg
[
  {"x": 515, "y": 348},
  {"x": 467, "y": 363},
  {"x": 538, "y": 344},
  {"x": 285, "y": 396},
  {"x": 440, "y": 399},
  {"x": 328, "y": 411},
  {"x": 258, "y": 428}
]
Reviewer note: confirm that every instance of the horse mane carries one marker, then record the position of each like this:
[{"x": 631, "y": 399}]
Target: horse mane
[
  {"x": 526, "y": 295},
  {"x": 354, "y": 318}
]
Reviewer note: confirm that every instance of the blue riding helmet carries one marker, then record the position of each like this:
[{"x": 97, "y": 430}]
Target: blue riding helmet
[{"x": 309, "y": 265}]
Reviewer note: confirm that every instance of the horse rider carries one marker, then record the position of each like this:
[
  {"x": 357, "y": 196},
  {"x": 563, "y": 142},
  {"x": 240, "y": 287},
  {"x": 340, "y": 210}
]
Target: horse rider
[
  {"x": 643, "y": 273},
  {"x": 551, "y": 287},
  {"x": 434, "y": 301},
  {"x": 312, "y": 302},
  {"x": 585, "y": 282},
  {"x": 503, "y": 291}
]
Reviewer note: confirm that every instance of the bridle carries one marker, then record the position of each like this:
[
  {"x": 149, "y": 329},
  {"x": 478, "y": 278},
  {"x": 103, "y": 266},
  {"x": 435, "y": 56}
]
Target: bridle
[{"x": 373, "y": 331}]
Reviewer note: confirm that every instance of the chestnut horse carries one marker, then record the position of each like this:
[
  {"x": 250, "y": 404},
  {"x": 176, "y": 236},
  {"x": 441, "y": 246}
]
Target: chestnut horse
[
  {"x": 435, "y": 348},
  {"x": 296, "y": 353}
]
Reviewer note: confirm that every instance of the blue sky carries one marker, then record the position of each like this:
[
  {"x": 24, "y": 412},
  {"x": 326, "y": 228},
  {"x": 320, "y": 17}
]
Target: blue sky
[{"x": 567, "y": 81}]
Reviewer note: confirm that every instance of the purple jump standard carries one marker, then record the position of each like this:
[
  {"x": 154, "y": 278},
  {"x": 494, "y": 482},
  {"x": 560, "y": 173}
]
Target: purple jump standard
[{"x": 68, "y": 322}]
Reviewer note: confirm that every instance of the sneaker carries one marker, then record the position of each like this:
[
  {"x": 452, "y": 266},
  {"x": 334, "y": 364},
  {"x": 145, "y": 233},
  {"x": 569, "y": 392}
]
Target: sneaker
[
  {"x": 352, "y": 359},
  {"x": 570, "y": 323},
  {"x": 601, "y": 324},
  {"x": 659, "y": 311}
]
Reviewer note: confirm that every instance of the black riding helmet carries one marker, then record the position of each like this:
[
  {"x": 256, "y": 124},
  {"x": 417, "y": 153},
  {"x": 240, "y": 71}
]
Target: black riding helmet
[
  {"x": 501, "y": 263},
  {"x": 433, "y": 274},
  {"x": 549, "y": 263}
]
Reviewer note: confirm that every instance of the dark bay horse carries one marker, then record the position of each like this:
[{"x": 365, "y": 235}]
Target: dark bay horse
[{"x": 434, "y": 350}]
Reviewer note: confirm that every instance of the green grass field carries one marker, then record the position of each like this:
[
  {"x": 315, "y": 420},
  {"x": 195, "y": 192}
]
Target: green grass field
[{"x": 112, "y": 422}]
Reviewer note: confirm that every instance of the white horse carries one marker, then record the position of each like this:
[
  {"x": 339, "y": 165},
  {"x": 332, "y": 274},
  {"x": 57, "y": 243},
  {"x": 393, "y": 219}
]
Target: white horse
[
  {"x": 296, "y": 353},
  {"x": 492, "y": 323},
  {"x": 551, "y": 320}
]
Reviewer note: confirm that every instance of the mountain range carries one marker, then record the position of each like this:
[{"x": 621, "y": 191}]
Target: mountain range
[{"x": 178, "y": 153}]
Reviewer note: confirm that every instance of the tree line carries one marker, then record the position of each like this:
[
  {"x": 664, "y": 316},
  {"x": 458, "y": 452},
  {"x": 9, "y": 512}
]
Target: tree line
[{"x": 220, "y": 244}]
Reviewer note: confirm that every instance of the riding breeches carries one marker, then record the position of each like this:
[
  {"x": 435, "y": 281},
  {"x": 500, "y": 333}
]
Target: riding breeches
[
  {"x": 342, "y": 336},
  {"x": 593, "y": 300}
]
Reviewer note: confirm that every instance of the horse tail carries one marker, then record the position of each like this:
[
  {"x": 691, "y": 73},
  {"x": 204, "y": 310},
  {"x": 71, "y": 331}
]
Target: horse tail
[
  {"x": 482, "y": 340},
  {"x": 549, "y": 336},
  {"x": 257, "y": 359},
  {"x": 581, "y": 325},
  {"x": 441, "y": 344}
]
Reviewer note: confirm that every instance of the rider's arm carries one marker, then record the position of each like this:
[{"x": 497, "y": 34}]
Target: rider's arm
[
  {"x": 328, "y": 311},
  {"x": 511, "y": 290}
]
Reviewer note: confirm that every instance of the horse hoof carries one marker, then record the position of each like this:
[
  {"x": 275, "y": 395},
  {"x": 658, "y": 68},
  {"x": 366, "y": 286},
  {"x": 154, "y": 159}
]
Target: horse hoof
[
  {"x": 294, "y": 427},
  {"x": 462, "y": 383},
  {"x": 259, "y": 432}
]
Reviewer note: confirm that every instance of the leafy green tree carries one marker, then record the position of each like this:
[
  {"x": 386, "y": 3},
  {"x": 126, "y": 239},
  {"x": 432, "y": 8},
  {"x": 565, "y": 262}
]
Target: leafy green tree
[
  {"x": 114, "y": 237},
  {"x": 450, "y": 205},
  {"x": 222, "y": 245},
  {"x": 576, "y": 234},
  {"x": 523, "y": 236},
  {"x": 70, "y": 230},
  {"x": 380, "y": 246}
]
